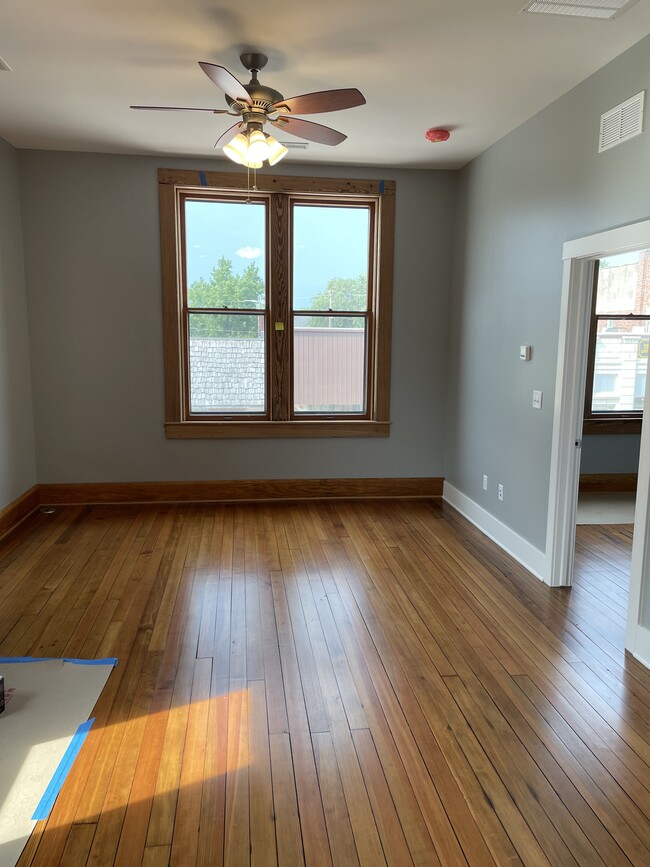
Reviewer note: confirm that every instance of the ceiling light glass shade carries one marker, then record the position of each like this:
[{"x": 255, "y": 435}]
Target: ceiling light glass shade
[
  {"x": 250, "y": 149},
  {"x": 237, "y": 149},
  {"x": 258, "y": 149},
  {"x": 276, "y": 150}
]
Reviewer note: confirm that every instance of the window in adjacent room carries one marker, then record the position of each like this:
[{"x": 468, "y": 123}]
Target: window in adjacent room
[
  {"x": 619, "y": 339},
  {"x": 277, "y": 305}
]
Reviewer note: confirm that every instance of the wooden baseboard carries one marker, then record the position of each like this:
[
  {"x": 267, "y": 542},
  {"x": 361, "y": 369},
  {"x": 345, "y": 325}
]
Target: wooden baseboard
[
  {"x": 610, "y": 483},
  {"x": 218, "y": 491},
  {"x": 212, "y": 492},
  {"x": 20, "y": 509}
]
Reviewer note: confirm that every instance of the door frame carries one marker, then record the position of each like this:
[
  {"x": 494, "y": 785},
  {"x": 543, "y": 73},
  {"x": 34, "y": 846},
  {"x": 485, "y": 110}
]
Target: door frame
[{"x": 579, "y": 256}]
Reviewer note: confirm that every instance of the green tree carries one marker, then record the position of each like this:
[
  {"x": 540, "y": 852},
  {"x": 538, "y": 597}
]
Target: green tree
[
  {"x": 341, "y": 293},
  {"x": 226, "y": 289}
]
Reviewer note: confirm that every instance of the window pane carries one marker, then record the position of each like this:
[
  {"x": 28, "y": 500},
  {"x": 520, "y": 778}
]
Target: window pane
[
  {"x": 620, "y": 365},
  {"x": 330, "y": 257},
  {"x": 624, "y": 284},
  {"x": 225, "y": 244},
  {"x": 329, "y": 358},
  {"x": 227, "y": 363}
]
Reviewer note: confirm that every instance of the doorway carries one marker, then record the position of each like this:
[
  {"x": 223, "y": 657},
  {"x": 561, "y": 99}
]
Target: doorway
[
  {"x": 579, "y": 257},
  {"x": 617, "y": 360}
]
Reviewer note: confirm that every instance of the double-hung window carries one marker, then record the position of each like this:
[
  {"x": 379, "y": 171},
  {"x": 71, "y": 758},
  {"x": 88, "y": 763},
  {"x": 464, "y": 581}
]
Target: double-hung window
[
  {"x": 277, "y": 305},
  {"x": 618, "y": 345}
]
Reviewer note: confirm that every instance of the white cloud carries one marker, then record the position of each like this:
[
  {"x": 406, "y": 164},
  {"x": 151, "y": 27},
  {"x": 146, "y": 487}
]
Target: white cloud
[{"x": 249, "y": 252}]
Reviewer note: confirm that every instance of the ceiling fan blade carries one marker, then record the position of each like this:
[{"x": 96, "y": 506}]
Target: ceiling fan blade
[
  {"x": 220, "y": 76},
  {"x": 324, "y": 100},
  {"x": 309, "y": 130},
  {"x": 227, "y": 133},
  {"x": 177, "y": 108}
]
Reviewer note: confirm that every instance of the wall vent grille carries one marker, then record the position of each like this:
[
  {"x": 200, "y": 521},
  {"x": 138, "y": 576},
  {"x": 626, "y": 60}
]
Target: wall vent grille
[
  {"x": 621, "y": 123},
  {"x": 581, "y": 8},
  {"x": 295, "y": 145}
]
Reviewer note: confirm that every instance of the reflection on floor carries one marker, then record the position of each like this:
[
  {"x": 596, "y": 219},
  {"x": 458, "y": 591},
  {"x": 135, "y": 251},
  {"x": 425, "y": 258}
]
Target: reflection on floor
[{"x": 606, "y": 508}]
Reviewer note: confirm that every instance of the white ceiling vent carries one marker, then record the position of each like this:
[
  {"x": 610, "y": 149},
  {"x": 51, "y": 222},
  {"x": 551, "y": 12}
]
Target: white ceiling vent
[
  {"x": 295, "y": 145},
  {"x": 581, "y": 8},
  {"x": 621, "y": 123}
]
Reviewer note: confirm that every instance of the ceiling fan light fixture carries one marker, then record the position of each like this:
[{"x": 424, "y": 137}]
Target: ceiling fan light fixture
[
  {"x": 276, "y": 150},
  {"x": 237, "y": 149},
  {"x": 258, "y": 148},
  {"x": 251, "y": 148}
]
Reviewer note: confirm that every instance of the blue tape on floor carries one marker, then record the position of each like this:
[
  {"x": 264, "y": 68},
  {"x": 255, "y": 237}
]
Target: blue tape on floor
[
  {"x": 7, "y": 660},
  {"x": 46, "y": 803}
]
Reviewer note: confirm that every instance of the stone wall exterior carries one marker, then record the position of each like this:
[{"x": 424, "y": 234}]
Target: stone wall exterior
[{"x": 227, "y": 373}]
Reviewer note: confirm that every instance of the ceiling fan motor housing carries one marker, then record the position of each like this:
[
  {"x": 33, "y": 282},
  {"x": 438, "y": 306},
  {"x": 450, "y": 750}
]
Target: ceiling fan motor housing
[{"x": 263, "y": 98}]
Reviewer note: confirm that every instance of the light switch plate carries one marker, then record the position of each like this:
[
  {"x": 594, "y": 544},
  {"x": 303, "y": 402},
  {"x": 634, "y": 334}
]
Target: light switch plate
[{"x": 537, "y": 399}]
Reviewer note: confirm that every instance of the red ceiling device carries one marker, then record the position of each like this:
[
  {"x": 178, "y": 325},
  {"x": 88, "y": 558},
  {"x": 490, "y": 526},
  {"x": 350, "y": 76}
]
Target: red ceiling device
[{"x": 437, "y": 134}]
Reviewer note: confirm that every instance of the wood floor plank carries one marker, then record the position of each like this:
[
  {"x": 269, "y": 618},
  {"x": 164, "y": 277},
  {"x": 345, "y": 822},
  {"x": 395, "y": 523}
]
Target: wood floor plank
[
  {"x": 237, "y": 820},
  {"x": 78, "y": 846},
  {"x": 136, "y": 820},
  {"x": 262, "y": 815},
  {"x": 213, "y": 799},
  {"x": 187, "y": 820},
  {"x": 287, "y": 826},
  {"x": 340, "y": 833},
  {"x": 390, "y": 830}
]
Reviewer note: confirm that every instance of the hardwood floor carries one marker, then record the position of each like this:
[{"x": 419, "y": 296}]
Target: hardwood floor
[{"x": 361, "y": 682}]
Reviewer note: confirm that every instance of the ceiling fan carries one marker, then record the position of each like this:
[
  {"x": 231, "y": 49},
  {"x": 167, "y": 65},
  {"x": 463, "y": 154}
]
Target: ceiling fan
[{"x": 255, "y": 104}]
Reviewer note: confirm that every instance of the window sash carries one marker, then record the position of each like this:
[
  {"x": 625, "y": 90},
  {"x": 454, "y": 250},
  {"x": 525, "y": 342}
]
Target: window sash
[
  {"x": 364, "y": 413},
  {"x": 230, "y": 413}
]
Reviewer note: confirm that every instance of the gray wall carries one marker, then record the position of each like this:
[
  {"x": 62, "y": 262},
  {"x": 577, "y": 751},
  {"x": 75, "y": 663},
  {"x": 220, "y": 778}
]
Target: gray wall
[
  {"x": 541, "y": 185},
  {"x": 93, "y": 278},
  {"x": 17, "y": 461},
  {"x": 610, "y": 453}
]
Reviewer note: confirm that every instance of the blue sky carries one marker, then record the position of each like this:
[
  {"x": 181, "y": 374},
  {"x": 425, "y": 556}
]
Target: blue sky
[{"x": 328, "y": 242}]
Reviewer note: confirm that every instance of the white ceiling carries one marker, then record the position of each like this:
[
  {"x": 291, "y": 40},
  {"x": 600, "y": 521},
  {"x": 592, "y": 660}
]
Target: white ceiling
[{"x": 477, "y": 67}]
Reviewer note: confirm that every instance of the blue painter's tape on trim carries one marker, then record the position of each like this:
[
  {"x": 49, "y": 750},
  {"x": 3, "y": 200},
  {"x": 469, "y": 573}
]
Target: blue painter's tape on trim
[
  {"x": 7, "y": 660},
  {"x": 111, "y": 660},
  {"x": 381, "y": 188},
  {"x": 46, "y": 803},
  {"x": 203, "y": 179}
]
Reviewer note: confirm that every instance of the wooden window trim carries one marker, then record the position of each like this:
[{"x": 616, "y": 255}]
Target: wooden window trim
[
  {"x": 175, "y": 183},
  {"x": 600, "y": 422}
]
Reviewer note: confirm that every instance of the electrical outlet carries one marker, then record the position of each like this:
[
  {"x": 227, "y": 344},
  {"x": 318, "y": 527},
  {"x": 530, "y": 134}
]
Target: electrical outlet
[
  {"x": 500, "y": 493},
  {"x": 485, "y": 483}
]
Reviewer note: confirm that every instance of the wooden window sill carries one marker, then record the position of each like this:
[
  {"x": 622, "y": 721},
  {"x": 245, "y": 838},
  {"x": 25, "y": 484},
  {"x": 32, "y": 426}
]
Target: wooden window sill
[
  {"x": 188, "y": 430},
  {"x": 611, "y": 426}
]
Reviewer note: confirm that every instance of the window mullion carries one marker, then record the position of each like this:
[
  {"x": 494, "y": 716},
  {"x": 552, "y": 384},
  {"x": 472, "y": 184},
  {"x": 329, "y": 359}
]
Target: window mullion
[{"x": 279, "y": 324}]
